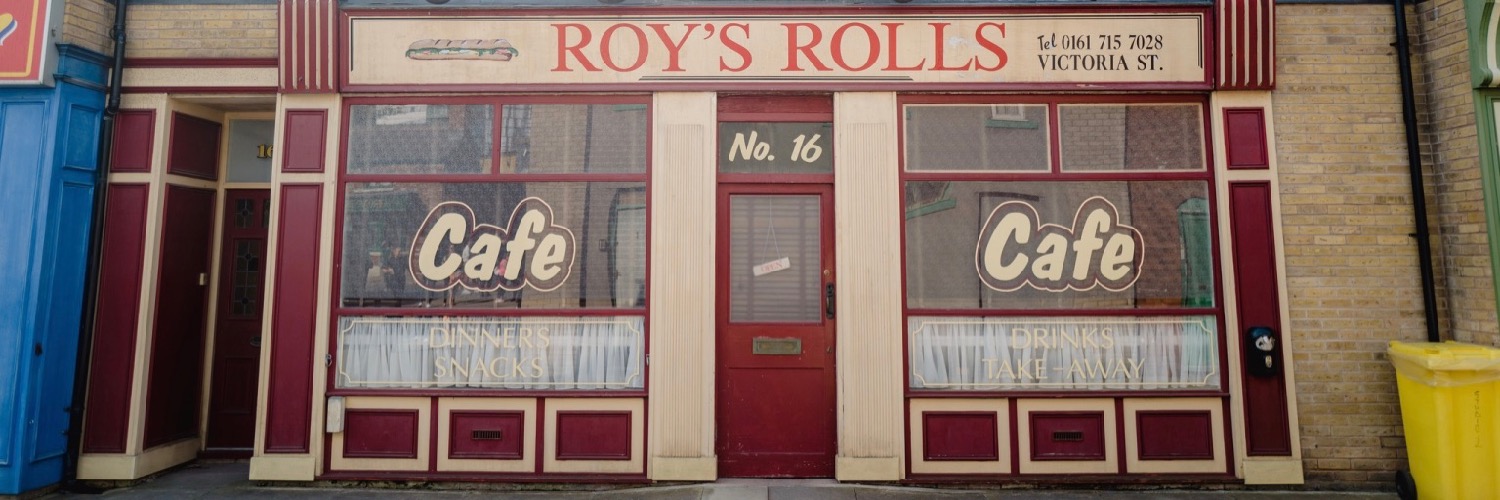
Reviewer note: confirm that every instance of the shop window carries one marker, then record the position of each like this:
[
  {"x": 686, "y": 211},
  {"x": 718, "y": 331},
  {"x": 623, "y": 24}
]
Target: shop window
[
  {"x": 1132, "y": 137},
  {"x": 985, "y": 138},
  {"x": 566, "y": 138},
  {"x": 420, "y": 139},
  {"x": 1078, "y": 272},
  {"x": 517, "y": 264}
]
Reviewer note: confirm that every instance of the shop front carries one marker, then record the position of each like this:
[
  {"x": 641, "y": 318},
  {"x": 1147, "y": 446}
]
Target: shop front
[{"x": 634, "y": 244}]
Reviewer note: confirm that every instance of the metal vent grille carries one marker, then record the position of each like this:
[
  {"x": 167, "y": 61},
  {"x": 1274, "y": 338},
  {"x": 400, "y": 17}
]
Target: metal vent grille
[{"x": 487, "y": 435}]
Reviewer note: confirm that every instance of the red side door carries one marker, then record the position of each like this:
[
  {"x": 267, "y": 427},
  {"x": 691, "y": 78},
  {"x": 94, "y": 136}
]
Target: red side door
[
  {"x": 236, "y": 358},
  {"x": 775, "y": 334},
  {"x": 175, "y": 383}
]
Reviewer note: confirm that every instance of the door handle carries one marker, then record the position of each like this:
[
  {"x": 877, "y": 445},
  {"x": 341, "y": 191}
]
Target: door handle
[{"x": 828, "y": 300}]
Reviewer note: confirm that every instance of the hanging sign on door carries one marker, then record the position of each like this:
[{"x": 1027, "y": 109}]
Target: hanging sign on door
[{"x": 781, "y": 264}]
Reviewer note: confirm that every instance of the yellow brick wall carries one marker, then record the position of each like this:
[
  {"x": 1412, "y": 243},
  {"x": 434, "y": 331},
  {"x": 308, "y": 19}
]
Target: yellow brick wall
[
  {"x": 1351, "y": 265},
  {"x": 159, "y": 30},
  {"x": 1453, "y": 152},
  {"x": 86, "y": 23}
]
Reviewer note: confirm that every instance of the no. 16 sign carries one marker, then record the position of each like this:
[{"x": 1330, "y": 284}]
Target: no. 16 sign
[{"x": 776, "y": 147}]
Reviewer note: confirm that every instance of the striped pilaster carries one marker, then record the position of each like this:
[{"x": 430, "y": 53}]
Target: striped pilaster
[
  {"x": 1246, "y": 45},
  {"x": 309, "y": 34}
]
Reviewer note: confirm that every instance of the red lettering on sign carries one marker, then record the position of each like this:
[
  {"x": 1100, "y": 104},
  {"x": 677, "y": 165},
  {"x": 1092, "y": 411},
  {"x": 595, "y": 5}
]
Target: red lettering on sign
[
  {"x": 937, "y": 46},
  {"x": 1000, "y": 57},
  {"x": 607, "y": 41},
  {"x": 892, "y": 64},
  {"x": 563, "y": 48},
  {"x": 851, "y": 47},
  {"x": 735, "y": 47},
  {"x": 674, "y": 47},
  {"x": 793, "y": 47},
  {"x": 870, "y": 37}
]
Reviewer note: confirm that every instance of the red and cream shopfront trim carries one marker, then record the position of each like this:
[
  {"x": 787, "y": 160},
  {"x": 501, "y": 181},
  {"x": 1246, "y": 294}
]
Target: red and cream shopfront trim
[{"x": 636, "y": 244}]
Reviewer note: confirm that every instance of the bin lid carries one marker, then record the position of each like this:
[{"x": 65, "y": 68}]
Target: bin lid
[{"x": 1446, "y": 363}]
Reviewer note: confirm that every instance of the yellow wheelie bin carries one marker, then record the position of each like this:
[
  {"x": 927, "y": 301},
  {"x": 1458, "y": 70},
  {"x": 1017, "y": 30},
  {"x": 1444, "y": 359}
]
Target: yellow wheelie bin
[{"x": 1450, "y": 398}]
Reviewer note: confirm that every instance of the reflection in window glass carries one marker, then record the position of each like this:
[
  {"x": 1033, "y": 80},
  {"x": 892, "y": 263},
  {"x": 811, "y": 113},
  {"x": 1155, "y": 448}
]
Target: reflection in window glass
[
  {"x": 1010, "y": 137},
  {"x": 1148, "y": 245},
  {"x": 596, "y": 260},
  {"x": 1131, "y": 137},
  {"x": 420, "y": 139},
  {"x": 573, "y": 138}
]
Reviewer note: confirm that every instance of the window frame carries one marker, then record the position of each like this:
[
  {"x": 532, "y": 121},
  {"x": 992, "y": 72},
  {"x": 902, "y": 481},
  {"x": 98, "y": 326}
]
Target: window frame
[
  {"x": 344, "y": 179},
  {"x": 1056, "y": 174}
]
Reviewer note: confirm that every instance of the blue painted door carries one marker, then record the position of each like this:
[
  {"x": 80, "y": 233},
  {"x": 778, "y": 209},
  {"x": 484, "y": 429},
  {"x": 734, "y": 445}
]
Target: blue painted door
[{"x": 49, "y": 140}]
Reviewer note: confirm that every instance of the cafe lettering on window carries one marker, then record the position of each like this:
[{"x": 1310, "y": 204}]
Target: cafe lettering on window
[
  {"x": 1019, "y": 252},
  {"x": 455, "y": 253},
  {"x": 1016, "y": 249},
  {"x": 452, "y": 249},
  {"x": 646, "y": 50}
]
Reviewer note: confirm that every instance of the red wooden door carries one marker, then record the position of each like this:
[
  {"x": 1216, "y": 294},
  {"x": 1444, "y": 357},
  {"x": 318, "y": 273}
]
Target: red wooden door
[
  {"x": 775, "y": 337},
  {"x": 176, "y": 372},
  {"x": 236, "y": 359}
]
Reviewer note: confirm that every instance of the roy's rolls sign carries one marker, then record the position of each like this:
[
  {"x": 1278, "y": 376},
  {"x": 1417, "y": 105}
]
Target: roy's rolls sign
[{"x": 867, "y": 50}]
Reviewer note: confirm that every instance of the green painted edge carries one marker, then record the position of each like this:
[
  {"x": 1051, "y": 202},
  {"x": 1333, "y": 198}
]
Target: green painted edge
[
  {"x": 1476, "y": 16},
  {"x": 936, "y": 206},
  {"x": 1489, "y": 161}
]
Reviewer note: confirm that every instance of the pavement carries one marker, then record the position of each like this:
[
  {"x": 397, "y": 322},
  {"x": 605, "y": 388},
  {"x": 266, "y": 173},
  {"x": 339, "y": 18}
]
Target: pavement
[{"x": 229, "y": 480}]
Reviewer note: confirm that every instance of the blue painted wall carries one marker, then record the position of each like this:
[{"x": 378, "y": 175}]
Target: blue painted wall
[{"x": 49, "y": 148}]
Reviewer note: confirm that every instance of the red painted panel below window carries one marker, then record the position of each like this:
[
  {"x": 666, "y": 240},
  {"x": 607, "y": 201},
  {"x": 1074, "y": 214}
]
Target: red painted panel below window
[
  {"x": 1067, "y": 435},
  {"x": 1174, "y": 435},
  {"x": 293, "y": 319},
  {"x": 135, "y": 133},
  {"x": 593, "y": 435},
  {"x": 305, "y": 141},
  {"x": 960, "y": 436},
  {"x": 1245, "y": 138},
  {"x": 194, "y": 147},
  {"x": 486, "y": 434},
  {"x": 111, "y": 369},
  {"x": 1267, "y": 431},
  {"x": 380, "y": 433}
]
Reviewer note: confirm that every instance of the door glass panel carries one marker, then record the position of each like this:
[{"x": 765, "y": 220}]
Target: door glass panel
[
  {"x": 247, "y": 268},
  {"x": 774, "y": 258},
  {"x": 244, "y": 212}
]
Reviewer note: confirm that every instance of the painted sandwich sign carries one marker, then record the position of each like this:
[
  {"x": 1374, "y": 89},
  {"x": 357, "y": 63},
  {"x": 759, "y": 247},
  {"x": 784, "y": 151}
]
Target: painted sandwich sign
[{"x": 957, "y": 49}]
